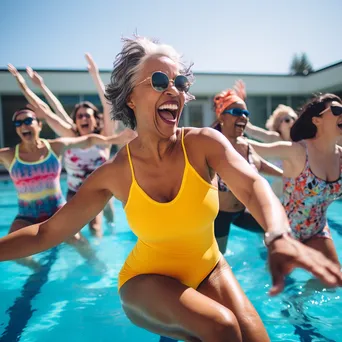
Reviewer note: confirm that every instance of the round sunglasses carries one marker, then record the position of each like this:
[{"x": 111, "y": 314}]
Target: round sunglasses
[
  {"x": 160, "y": 82},
  {"x": 237, "y": 112},
  {"x": 27, "y": 121}
]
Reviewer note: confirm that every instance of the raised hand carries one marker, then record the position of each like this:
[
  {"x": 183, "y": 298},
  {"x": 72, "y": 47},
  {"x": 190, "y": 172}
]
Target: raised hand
[
  {"x": 92, "y": 67},
  {"x": 240, "y": 89},
  {"x": 13, "y": 70},
  {"x": 35, "y": 77},
  {"x": 286, "y": 254}
]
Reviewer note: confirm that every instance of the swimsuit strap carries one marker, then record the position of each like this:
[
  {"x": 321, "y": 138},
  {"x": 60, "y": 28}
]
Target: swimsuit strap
[
  {"x": 130, "y": 162},
  {"x": 16, "y": 154},
  {"x": 183, "y": 146}
]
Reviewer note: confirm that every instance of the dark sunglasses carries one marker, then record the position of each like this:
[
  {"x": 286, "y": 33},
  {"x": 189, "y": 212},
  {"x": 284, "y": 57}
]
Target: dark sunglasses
[
  {"x": 335, "y": 110},
  {"x": 26, "y": 121},
  {"x": 81, "y": 116},
  {"x": 237, "y": 112},
  {"x": 160, "y": 82}
]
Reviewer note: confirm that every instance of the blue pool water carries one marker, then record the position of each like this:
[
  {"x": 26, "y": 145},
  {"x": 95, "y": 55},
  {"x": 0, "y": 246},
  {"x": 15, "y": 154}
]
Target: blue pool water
[{"x": 70, "y": 301}]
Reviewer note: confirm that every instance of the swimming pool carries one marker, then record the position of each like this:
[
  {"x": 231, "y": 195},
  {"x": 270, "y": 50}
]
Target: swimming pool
[{"x": 70, "y": 301}]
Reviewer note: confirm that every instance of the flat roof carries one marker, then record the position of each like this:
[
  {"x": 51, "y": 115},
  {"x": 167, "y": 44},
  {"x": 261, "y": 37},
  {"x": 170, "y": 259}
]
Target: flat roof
[{"x": 206, "y": 73}]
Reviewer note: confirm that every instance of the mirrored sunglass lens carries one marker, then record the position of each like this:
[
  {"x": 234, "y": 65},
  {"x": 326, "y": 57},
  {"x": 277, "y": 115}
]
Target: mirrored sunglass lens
[
  {"x": 28, "y": 121},
  {"x": 160, "y": 81},
  {"x": 17, "y": 123},
  {"x": 182, "y": 83}
]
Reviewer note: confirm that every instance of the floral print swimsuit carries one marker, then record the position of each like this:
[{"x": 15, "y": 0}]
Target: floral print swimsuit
[{"x": 306, "y": 200}]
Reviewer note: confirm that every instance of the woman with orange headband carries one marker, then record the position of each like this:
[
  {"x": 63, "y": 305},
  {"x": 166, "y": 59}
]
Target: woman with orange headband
[
  {"x": 232, "y": 118},
  {"x": 278, "y": 129}
]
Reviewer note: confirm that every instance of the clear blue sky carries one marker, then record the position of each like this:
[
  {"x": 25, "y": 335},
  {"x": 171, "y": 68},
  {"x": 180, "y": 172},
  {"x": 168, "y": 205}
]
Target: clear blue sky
[{"x": 217, "y": 35}]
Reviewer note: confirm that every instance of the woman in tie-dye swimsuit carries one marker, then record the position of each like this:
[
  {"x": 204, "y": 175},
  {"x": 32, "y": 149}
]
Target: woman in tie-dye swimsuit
[
  {"x": 34, "y": 166},
  {"x": 312, "y": 171},
  {"x": 85, "y": 119}
]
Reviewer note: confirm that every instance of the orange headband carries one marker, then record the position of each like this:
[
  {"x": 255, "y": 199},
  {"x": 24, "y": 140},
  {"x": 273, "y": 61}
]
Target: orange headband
[{"x": 224, "y": 100}]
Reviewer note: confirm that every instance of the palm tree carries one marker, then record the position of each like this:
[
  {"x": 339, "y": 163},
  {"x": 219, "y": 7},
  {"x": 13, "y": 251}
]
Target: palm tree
[{"x": 301, "y": 65}]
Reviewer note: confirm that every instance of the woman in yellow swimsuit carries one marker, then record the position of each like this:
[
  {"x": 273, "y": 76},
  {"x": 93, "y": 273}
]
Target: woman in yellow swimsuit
[{"x": 175, "y": 281}]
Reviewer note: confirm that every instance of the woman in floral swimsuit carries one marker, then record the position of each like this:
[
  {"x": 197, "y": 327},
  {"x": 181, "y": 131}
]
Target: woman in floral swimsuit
[{"x": 312, "y": 171}]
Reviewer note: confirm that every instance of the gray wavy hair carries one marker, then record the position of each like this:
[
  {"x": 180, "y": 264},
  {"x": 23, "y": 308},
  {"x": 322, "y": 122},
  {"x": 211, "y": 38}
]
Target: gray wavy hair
[{"x": 124, "y": 75}]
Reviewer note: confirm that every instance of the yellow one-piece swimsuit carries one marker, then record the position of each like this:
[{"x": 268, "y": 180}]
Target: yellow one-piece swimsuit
[{"x": 176, "y": 238}]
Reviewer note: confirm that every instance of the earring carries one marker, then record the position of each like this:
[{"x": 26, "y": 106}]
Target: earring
[{"x": 221, "y": 123}]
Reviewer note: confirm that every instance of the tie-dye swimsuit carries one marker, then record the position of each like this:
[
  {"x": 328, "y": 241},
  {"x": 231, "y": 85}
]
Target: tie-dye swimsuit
[
  {"x": 80, "y": 163},
  {"x": 38, "y": 186},
  {"x": 306, "y": 200}
]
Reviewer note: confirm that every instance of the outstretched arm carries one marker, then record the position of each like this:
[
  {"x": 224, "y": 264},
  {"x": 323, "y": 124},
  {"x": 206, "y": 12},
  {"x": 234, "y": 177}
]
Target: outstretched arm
[
  {"x": 281, "y": 150},
  {"x": 58, "y": 125},
  {"x": 110, "y": 126},
  {"x": 51, "y": 98},
  {"x": 60, "y": 145},
  {"x": 246, "y": 184},
  {"x": 262, "y": 134},
  {"x": 270, "y": 169},
  {"x": 285, "y": 253},
  {"x": 30, "y": 96},
  {"x": 93, "y": 195}
]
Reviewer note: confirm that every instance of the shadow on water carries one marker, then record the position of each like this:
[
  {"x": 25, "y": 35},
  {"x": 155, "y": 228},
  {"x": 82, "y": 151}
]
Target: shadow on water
[
  {"x": 167, "y": 339},
  {"x": 21, "y": 311},
  {"x": 298, "y": 318},
  {"x": 336, "y": 226}
]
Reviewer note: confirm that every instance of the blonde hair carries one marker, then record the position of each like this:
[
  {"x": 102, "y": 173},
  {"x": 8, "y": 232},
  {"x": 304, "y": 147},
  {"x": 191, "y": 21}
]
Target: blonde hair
[{"x": 274, "y": 121}]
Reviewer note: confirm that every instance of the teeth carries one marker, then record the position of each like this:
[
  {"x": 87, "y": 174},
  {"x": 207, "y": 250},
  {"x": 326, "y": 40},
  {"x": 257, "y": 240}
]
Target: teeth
[{"x": 168, "y": 106}]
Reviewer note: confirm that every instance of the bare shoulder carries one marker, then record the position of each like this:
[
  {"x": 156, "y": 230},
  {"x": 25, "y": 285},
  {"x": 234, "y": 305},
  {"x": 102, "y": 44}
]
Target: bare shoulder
[
  {"x": 117, "y": 175},
  {"x": 299, "y": 147},
  {"x": 203, "y": 135},
  {"x": 6, "y": 151},
  {"x": 6, "y": 156}
]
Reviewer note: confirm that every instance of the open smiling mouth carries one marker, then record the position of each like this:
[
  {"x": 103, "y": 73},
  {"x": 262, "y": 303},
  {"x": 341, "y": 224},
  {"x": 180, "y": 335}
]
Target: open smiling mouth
[
  {"x": 26, "y": 134},
  {"x": 168, "y": 113},
  {"x": 241, "y": 125},
  {"x": 339, "y": 125},
  {"x": 84, "y": 126}
]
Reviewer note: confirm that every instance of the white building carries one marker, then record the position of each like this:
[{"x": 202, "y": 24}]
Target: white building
[{"x": 264, "y": 93}]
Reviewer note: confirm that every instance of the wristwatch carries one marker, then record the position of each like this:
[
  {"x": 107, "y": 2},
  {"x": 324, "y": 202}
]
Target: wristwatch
[{"x": 274, "y": 235}]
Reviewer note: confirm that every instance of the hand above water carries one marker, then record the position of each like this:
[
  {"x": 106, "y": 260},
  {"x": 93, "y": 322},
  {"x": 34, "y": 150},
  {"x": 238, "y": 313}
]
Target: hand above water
[{"x": 286, "y": 254}]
